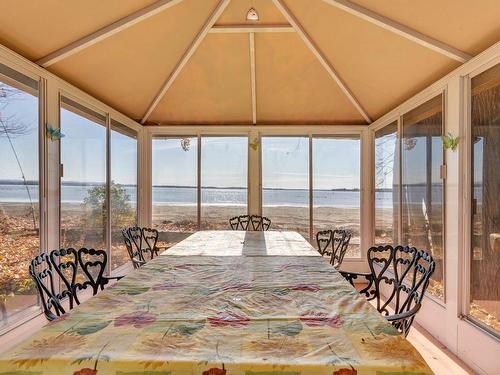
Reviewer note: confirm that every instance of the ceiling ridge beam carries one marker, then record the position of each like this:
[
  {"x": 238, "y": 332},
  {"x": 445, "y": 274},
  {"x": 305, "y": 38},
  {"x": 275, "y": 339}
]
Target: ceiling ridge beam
[
  {"x": 251, "y": 39},
  {"x": 400, "y": 29},
  {"x": 321, "y": 58},
  {"x": 106, "y": 32},
  {"x": 214, "y": 16},
  {"x": 243, "y": 28}
]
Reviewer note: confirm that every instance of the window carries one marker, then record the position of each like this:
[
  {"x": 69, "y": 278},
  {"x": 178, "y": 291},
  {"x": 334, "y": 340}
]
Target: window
[
  {"x": 19, "y": 193},
  {"x": 386, "y": 185},
  {"x": 422, "y": 186},
  {"x": 485, "y": 205},
  {"x": 285, "y": 183},
  {"x": 174, "y": 176},
  {"x": 223, "y": 180},
  {"x": 336, "y": 187},
  {"x": 123, "y": 189},
  {"x": 83, "y": 180}
]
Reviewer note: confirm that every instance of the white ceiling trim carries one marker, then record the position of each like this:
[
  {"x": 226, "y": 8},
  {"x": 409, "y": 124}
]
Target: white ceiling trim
[
  {"x": 322, "y": 59},
  {"x": 399, "y": 29},
  {"x": 221, "y": 6},
  {"x": 106, "y": 32}
]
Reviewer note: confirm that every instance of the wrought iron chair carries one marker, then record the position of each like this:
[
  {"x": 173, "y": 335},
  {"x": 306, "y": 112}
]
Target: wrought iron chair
[
  {"x": 340, "y": 243},
  {"x": 234, "y": 223},
  {"x": 135, "y": 256},
  {"x": 77, "y": 270},
  {"x": 135, "y": 236},
  {"x": 93, "y": 264},
  {"x": 65, "y": 263},
  {"x": 244, "y": 221},
  {"x": 150, "y": 238},
  {"x": 403, "y": 272},
  {"x": 42, "y": 273},
  {"x": 324, "y": 241},
  {"x": 260, "y": 223},
  {"x": 250, "y": 222}
]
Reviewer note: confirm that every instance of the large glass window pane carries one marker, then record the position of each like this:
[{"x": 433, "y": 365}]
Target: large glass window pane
[
  {"x": 336, "y": 187},
  {"x": 174, "y": 176},
  {"x": 386, "y": 185},
  {"x": 83, "y": 183},
  {"x": 285, "y": 183},
  {"x": 223, "y": 180},
  {"x": 19, "y": 194},
  {"x": 123, "y": 188},
  {"x": 422, "y": 186},
  {"x": 485, "y": 208}
]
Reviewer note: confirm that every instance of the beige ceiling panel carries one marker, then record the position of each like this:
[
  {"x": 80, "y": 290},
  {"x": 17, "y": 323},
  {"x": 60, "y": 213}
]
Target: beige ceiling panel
[
  {"x": 214, "y": 87},
  {"x": 293, "y": 87},
  {"x": 35, "y": 28},
  {"x": 381, "y": 68},
  {"x": 471, "y": 26},
  {"x": 237, "y": 10},
  {"x": 127, "y": 70}
]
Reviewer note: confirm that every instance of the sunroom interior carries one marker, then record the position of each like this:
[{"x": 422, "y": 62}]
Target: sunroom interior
[{"x": 379, "y": 117}]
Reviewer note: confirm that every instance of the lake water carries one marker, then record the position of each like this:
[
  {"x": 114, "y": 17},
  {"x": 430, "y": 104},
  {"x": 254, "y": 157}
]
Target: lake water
[{"x": 210, "y": 196}]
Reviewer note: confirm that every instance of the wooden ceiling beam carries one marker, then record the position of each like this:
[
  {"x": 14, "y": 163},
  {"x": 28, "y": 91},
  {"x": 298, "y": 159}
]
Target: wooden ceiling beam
[
  {"x": 221, "y": 6},
  {"x": 221, "y": 29},
  {"x": 399, "y": 29},
  {"x": 321, "y": 58},
  {"x": 251, "y": 39},
  {"x": 106, "y": 32}
]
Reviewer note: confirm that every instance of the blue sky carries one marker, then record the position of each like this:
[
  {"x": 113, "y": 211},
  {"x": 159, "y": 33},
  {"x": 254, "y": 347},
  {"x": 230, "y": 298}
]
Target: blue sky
[{"x": 336, "y": 161}]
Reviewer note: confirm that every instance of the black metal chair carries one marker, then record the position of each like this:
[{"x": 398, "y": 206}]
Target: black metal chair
[
  {"x": 77, "y": 270},
  {"x": 324, "y": 241},
  {"x": 135, "y": 236},
  {"x": 135, "y": 256},
  {"x": 403, "y": 273},
  {"x": 234, "y": 223},
  {"x": 141, "y": 244},
  {"x": 150, "y": 238},
  {"x": 93, "y": 264},
  {"x": 244, "y": 221},
  {"x": 250, "y": 222},
  {"x": 340, "y": 243},
  {"x": 42, "y": 272},
  {"x": 260, "y": 223}
]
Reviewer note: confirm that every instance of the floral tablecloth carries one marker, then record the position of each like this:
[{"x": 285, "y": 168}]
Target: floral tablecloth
[{"x": 227, "y": 315}]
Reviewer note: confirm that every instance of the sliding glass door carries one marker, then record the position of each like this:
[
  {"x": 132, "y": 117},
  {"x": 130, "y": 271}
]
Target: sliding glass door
[
  {"x": 83, "y": 176},
  {"x": 285, "y": 183},
  {"x": 484, "y": 267},
  {"x": 123, "y": 188},
  {"x": 336, "y": 185},
  {"x": 387, "y": 190},
  {"x": 199, "y": 182},
  {"x": 174, "y": 190},
  {"x": 422, "y": 185},
  {"x": 224, "y": 174},
  {"x": 19, "y": 194},
  {"x": 313, "y": 183}
]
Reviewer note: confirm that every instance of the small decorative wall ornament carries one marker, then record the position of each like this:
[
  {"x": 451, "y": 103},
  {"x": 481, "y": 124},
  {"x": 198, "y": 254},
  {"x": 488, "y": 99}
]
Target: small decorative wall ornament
[
  {"x": 450, "y": 142},
  {"x": 254, "y": 144},
  {"x": 252, "y": 15},
  {"x": 185, "y": 144},
  {"x": 54, "y": 134}
]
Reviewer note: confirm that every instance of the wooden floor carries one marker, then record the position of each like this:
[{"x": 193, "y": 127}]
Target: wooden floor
[{"x": 437, "y": 356}]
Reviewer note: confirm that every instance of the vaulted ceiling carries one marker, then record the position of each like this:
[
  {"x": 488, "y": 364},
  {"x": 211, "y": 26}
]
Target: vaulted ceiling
[{"x": 203, "y": 62}]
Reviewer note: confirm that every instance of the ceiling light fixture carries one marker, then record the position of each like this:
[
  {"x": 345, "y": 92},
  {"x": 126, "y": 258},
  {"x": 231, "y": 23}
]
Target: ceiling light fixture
[{"x": 252, "y": 15}]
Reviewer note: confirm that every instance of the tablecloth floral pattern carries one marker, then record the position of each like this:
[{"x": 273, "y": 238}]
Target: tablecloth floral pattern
[{"x": 208, "y": 315}]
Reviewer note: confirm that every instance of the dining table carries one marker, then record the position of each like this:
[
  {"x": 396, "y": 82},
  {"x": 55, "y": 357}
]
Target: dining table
[{"x": 222, "y": 303}]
